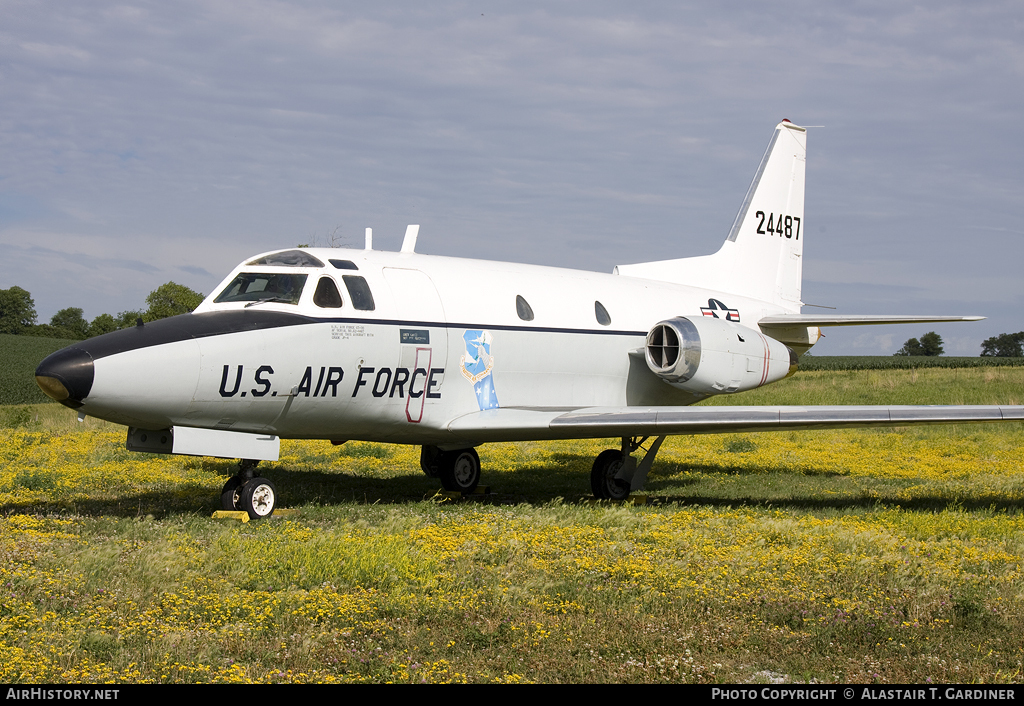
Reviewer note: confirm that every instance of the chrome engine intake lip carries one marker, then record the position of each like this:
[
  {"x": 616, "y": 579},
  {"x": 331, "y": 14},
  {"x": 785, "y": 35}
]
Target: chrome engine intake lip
[{"x": 673, "y": 349}]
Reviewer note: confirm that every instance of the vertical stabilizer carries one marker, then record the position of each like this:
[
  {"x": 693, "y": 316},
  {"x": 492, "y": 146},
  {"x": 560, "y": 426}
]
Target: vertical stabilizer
[{"x": 762, "y": 256}]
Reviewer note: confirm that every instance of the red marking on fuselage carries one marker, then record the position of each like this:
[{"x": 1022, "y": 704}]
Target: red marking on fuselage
[
  {"x": 426, "y": 378},
  {"x": 764, "y": 371}
]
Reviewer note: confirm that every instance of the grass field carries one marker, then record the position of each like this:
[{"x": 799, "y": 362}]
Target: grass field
[
  {"x": 851, "y": 555},
  {"x": 902, "y": 362},
  {"x": 19, "y": 357}
]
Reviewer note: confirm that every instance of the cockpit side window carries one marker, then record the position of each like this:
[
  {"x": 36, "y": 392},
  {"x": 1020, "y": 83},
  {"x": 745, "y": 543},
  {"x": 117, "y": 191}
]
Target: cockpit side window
[
  {"x": 359, "y": 292},
  {"x": 601, "y": 314},
  {"x": 327, "y": 295},
  {"x": 263, "y": 287}
]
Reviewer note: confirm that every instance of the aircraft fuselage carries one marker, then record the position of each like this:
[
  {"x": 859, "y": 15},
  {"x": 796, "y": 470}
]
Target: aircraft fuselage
[{"x": 445, "y": 337}]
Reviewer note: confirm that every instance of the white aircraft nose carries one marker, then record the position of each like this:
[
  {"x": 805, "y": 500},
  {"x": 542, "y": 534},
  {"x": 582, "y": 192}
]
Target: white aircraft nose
[{"x": 142, "y": 376}]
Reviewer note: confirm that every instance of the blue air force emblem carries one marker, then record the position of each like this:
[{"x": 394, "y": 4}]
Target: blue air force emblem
[{"x": 476, "y": 365}]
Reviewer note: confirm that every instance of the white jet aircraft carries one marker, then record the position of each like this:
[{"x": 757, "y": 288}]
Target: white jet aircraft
[{"x": 450, "y": 353}]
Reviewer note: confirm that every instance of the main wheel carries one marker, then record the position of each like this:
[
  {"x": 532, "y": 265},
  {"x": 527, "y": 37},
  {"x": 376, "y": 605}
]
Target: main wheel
[
  {"x": 429, "y": 458},
  {"x": 258, "y": 498},
  {"x": 602, "y": 478},
  {"x": 231, "y": 494},
  {"x": 460, "y": 470}
]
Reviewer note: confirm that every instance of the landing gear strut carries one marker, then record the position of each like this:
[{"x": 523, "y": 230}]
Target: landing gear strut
[
  {"x": 458, "y": 470},
  {"x": 616, "y": 473},
  {"x": 247, "y": 491}
]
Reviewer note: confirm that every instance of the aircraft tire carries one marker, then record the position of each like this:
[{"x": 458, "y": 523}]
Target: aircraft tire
[
  {"x": 231, "y": 494},
  {"x": 258, "y": 498},
  {"x": 429, "y": 459},
  {"x": 460, "y": 470},
  {"x": 602, "y": 476}
]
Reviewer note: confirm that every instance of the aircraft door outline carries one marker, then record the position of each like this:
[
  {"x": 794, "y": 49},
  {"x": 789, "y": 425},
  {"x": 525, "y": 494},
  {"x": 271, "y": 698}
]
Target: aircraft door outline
[{"x": 419, "y": 305}]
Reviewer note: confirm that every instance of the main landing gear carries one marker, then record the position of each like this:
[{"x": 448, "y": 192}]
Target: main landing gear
[
  {"x": 247, "y": 491},
  {"x": 616, "y": 473},
  {"x": 459, "y": 470}
]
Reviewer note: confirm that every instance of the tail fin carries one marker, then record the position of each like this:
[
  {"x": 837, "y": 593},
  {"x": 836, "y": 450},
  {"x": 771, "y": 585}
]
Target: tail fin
[{"x": 763, "y": 256}]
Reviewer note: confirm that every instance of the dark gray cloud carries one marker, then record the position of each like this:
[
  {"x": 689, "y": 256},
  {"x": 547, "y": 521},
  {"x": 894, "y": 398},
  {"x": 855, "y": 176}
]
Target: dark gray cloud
[{"x": 188, "y": 135}]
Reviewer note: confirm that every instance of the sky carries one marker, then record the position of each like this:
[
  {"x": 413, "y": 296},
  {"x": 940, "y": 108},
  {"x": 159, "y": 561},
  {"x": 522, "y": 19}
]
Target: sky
[{"x": 146, "y": 142}]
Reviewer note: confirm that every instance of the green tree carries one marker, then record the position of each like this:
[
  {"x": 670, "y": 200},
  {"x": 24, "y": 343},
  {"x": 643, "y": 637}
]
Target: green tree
[
  {"x": 911, "y": 347},
  {"x": 49, "y": 331},
  {"x": 170, "y": 300},
  {"x": 72, "y": 321},
  {"x": 127, "y": 319},
  {"x": 1005, "y": 345},
  {"x": 930, "y": 344},
  {"x": 104, "y": 323},
  {"x": 17, "y": 310}
]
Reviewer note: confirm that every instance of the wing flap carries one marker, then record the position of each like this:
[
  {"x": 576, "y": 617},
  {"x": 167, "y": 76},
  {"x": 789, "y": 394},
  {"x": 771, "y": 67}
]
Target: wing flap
[{"x": 506, "y": 424}]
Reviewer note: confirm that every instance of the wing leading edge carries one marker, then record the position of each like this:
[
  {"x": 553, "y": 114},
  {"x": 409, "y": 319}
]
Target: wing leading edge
[{"x": 597, "y": 422}]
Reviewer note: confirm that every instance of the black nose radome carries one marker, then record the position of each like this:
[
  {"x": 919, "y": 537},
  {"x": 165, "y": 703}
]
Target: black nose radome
[{"x": 66, "y": 376}]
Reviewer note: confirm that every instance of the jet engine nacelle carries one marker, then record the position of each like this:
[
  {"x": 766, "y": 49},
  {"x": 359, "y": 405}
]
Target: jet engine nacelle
[{"x": 712, "y": 356}]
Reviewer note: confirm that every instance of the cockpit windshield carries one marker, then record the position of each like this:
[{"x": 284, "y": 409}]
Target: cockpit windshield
[
  {"x": 256, "y": 287},
  {"x": 288, "y": 258}
]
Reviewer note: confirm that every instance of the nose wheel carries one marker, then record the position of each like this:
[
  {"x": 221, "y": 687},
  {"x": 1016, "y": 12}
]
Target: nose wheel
[
  {"x": 231, "y": 494},
  {"x": 248, "y": 492},
  {"x": 258, "y": 498}
]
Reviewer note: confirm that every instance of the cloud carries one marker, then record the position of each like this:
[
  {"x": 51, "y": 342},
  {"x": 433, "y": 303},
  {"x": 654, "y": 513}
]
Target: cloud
[
  {"x": 192, "y": 134},
  {"x": 197, "y": 271}
]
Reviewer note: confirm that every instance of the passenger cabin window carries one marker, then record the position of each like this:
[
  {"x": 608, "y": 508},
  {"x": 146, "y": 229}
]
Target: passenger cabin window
[
  {"x": 343, "y": 264},
  {"x": 256, "y": 287},
  {"x": 288, "y": 258},
  {"x": 359, "y": 292},
  {"x": 523, "y": 309},
  {"x": 602, "y": 314},
  {"x": 327, "y": 295}
]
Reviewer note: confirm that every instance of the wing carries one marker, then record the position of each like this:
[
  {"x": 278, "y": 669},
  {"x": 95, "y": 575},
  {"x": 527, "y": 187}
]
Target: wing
[
  {"x": 525, "y": 424},
  {"x": 855, "y": 320}
]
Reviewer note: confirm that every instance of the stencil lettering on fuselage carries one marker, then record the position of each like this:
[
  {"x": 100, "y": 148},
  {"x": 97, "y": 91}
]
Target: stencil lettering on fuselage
[
  {"x": 476, "y": 365},
  {"x": 345, "y": 332},
  {"x": 417, "y": 382}
]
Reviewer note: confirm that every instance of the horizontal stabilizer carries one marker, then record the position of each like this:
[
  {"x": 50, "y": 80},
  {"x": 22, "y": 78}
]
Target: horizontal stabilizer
[{"x": 854, "y": 320}]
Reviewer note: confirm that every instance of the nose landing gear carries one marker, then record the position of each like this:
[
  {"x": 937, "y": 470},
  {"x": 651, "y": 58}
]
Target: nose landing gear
[{"x": 248, "y": 492}]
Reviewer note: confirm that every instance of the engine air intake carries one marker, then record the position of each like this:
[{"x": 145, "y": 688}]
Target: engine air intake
[
  {"x": 673, "y": 349},
  {"x": 663, "y": 346}
]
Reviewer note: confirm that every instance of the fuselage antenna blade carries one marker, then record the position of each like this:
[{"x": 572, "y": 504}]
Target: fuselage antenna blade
[{"x": 409, "y": 244}]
